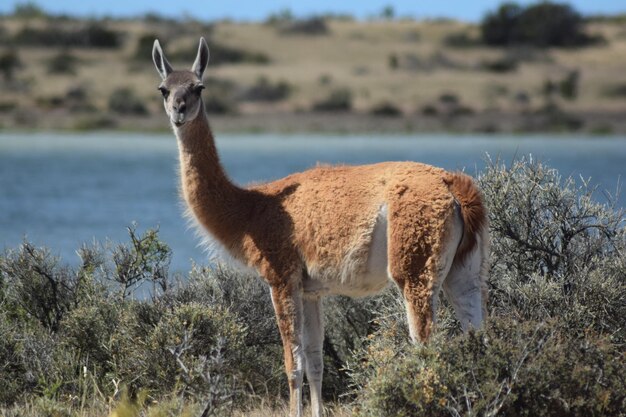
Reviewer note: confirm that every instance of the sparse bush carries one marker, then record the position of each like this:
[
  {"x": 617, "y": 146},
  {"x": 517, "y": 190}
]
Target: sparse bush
[
  {"x": 218, "y": 105},
  {"x": 338, "y": 100},
  {"x": 40, "y": 288},
  {"x": 429, "y": 110},
  {"x": 393, "y": 61},
  {"x": 450, "y": 99},
  {"x": 143, "y": 51},
  {"x": 77, "y": 99},
  {"x": 93, "y": 122},
  {"x": 554, "y": 118},
  {"x": 280, "y": 17},
  {"x": 264, "y": 90},
  {"x": 505, "y": 368},
  {"x": 220, "y": 54},
  {"x": 386, "y": 109},
  {"x": 460, "y": 40},
  {"x": 541, "y": 24},
  {"x": 124, "y": 101},
  {"x": 93, "y": 35},
  {"x": 221, "y": 95},
  {"x": 437, "y": 59},
  {"x": 28, "y": 10},
  {"x": 555, "y": 247},
  {"x": 569, "y": 85},
  {"x": 9, "y": 62},
  {"x": 310, "y": 26},
  {"x": 63, "y": 63},
  {"x": 325, "y": 79},
  {"x": 616, "y": 91},
  {"x": 552, "y": 345},
  {"x": 500, "y": 65},
  {"x": 556, "y": 307}
]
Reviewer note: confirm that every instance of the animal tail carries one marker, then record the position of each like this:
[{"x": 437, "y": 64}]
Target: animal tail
[{"x": 473, "y": 211}]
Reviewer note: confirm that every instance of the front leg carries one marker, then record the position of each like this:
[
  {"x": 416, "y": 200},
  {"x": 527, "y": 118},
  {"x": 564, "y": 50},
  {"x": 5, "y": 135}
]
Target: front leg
[
  {"x": 287, "y": 300},
  {"x": 313, "y": 338}
]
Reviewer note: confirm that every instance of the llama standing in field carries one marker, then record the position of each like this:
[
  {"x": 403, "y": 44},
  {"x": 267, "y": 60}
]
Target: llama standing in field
[{"x": 333, "y": 230}]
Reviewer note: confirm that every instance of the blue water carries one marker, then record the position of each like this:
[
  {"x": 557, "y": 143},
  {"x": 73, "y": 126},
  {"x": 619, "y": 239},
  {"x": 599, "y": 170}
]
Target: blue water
[{"x": 61, "y": 190}]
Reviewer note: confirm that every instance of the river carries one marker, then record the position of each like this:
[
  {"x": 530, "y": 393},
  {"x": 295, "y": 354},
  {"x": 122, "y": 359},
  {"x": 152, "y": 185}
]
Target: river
[{"x": 61, "y": 189}]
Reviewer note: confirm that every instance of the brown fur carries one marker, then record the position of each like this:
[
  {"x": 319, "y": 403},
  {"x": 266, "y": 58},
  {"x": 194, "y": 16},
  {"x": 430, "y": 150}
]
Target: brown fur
[
  {"x": 472, "y": 210},
  {"x": 312, "y": 220},
  {"x": 317, "y": 227}
]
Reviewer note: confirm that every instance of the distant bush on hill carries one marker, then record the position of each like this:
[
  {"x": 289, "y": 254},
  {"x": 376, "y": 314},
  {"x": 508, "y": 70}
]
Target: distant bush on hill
[
  {"x": 28, "y": 10},
  {"x": 339, "y": 99},
  {"x": 220, "y": 96},
  {"x": 615, "y": 91},
  {"x": 386, "y": 108},
  {"x": 542, "y": 25},
  {"x": 124, "y": 101},
  {"x": 63, "y": 62},
  {"x": 9, "y": 62},
  {"x": 265, "y": 90},
  {"x": 93, "y": 35},
  {"x": 220, "y": 54},
  {"x": 310, "y": 26}
]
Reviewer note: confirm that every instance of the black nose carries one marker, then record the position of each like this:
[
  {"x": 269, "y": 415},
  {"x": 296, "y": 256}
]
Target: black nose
[{"x": 180, "y": 106}]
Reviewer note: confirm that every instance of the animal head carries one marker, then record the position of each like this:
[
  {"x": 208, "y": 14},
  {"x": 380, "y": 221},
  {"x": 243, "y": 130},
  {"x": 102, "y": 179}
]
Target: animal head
[{"x": 181, "y": 90}]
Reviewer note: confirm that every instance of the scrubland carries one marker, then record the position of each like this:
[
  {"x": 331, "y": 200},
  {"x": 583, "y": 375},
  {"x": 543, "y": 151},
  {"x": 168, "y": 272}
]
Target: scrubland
[{"x": 120, "y": 335}]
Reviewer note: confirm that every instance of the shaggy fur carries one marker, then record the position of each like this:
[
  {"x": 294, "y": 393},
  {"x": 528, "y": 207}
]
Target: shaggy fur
[{"x": 311, "y": 234}]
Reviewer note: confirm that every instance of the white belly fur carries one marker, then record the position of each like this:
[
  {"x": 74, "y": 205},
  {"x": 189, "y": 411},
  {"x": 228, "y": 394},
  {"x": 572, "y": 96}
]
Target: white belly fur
[{"x": 374, "y": 278}]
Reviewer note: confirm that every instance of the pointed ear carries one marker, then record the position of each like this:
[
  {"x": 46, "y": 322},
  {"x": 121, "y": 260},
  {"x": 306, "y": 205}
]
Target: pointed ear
[
  {"x": 160, "y": 62},
  {"x": 202, "y": 59}
]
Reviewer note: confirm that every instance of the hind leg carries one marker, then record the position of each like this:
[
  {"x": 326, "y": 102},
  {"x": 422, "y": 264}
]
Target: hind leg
[
  {"x": 420, "y": 276},
  {"x": 421, "y": 299}
]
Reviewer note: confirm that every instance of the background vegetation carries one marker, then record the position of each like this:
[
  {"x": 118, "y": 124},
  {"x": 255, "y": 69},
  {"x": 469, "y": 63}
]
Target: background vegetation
[
  {"x": 324, "y": 72},
  {"x": 119, "y": 334}
]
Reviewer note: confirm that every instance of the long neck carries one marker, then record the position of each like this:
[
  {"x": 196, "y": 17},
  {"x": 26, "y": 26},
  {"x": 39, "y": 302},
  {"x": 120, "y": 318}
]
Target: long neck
[{"x": 213, "y": 199}]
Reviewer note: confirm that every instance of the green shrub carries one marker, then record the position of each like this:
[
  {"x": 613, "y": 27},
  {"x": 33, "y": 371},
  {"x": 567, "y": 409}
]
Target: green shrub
[
  {"x": 500, "y": 65},
  {"x": 264, "y": 90},
  {"x": 429, "y": 110},
  {"x": 393, "y": 61},
  {"x": 38, "y": 287},
  {"x": 311, "y": 26},
  {"x": 145, "y": 43},
  {"x": 615, "y": 91},
  {"x": 220, "y": 54},
  {"x": 501, "y": 370},
  {"x": 28, "y": 10},
  {"x": 9, "y": 62},
  {"x": 552, "y": 345},
  {"x": 93, "y": 35},
  {"x": 339, "y": 99},
  {"x": 124, "y": 101},
  {"x": 541, "y": 24},
  {"x": 460, "y": 40},
  {"x": 557, "y": 253},
  {"x": 569, "y": 85},
  {"x": 214, "y": 104},
  {"x": 386, "y": 109},
  {"x": 63, "y": 63}
]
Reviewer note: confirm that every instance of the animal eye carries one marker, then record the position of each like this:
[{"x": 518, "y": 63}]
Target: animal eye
[
  {"x": 164, "y": 91},
  {"x": 198, "y": 88}
]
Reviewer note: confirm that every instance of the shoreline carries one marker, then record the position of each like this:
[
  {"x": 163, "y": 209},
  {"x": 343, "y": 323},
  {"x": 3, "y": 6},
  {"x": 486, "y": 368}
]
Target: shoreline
[{"x": 484, "y": 123}]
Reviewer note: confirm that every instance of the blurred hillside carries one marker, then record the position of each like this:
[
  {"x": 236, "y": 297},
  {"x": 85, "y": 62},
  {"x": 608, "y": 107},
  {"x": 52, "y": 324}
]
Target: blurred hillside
[{"x": 319, "y": 74}]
